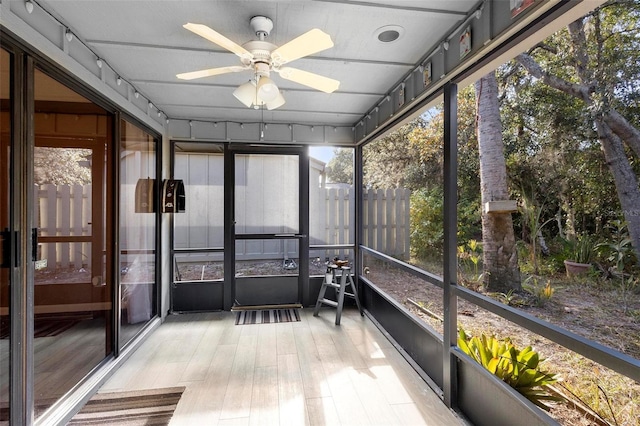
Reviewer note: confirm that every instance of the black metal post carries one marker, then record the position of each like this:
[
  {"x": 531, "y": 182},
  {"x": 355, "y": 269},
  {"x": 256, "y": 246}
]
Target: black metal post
[
  {"x": 450, "y": 243},
  {"x": 358, "y": 190},
  {"x": 114, "y": 165},
  {"x": 303, "y": 242},
  {"x": 229, "y": 227}
]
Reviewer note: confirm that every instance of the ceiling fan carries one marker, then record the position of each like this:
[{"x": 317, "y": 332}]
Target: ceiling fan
[{"x": 262, "y": 58}]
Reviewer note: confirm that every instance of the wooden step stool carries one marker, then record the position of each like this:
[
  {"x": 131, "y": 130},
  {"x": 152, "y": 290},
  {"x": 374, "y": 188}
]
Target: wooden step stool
[{"x": 331, "y": 280}]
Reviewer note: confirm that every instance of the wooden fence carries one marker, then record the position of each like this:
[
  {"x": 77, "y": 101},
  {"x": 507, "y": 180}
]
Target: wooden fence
[
  {"x": 386, "y": 221},
  {"x": 65, "y": 210}
]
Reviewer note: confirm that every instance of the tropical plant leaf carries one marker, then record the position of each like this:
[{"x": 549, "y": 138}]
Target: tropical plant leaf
[{"x": 518, "y": 368}]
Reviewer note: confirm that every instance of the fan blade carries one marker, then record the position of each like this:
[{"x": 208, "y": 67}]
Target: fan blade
[
  {"x": 318, "y": 82},
  {"x": 307, "y": 44},
  {"x": 210, "y": 72},
  {"x": 219, "y": 39}
]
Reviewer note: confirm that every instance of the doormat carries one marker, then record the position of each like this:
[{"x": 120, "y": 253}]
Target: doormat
[
  {"x": 151, "y": 407},
  {"x": 267, "y": 316}
]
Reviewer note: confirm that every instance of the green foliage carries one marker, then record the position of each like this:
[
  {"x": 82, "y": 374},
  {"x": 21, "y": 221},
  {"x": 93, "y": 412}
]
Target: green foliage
[
  {"x": 550, "y": 141},
  {"x": 470, "y": 258},
  {"x": 541, "y": 293},
  {"x": 510, "y": 298},
  {"x": 390, "y": 160},
  {"x": 582, "y": 250},
  {"x": 340, "y": 167},
  {"x": 532, "y": 218},
  {"x": 426, "y": 231},
  {"x": 469, "y": 219},
  {"x": 618, "y": 250},
  {"x": 62, "y": 166},
  {"x": 518, "y": 368},
  {"x": 427, "y": 228}
]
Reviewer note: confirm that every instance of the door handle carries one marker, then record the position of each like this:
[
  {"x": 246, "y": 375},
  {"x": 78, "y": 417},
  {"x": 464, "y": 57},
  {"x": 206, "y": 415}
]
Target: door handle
[{"x": 34, "y": 244}]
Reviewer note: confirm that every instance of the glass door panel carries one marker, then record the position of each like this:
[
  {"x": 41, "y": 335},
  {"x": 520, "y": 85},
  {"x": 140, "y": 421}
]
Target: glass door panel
[
  {"x": 138, "y": 287},
  {"x": 72, "y": 286}
]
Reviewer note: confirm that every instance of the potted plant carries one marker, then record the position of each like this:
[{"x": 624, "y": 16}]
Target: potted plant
[{"x": 580, "y": 256}]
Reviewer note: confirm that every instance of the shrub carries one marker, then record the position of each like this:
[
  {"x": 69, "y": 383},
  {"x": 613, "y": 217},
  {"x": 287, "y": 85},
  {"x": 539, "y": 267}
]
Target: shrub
[
  {"x": 427, "y": 226},
  {"x": 427, "y": 231},
  {"x": 541, "y": 294},
  {"x": 518, "y": 368},
  {"x": 582, "y": 249}
]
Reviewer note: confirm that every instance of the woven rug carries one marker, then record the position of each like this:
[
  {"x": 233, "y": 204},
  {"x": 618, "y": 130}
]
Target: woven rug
[
  {"x": 49, "y": 325},
  {"x": 267, "y": 316},
  {"x": 133, "y": 408}
]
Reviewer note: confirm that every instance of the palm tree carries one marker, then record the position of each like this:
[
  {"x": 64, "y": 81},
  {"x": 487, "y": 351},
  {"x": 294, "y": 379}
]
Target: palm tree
[{"x": 500, "y": 258}]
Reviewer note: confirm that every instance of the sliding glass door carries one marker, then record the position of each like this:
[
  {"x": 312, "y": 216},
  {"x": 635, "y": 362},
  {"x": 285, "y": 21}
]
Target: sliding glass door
[
  {"x": 6, "y": 229},
  {"x": 73, "y": 283}
]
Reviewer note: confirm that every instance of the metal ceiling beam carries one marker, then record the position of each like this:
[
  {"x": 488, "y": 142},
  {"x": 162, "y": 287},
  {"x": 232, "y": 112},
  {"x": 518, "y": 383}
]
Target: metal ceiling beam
[
  {"x": 233, "y": 86},
  {"x": 226, "y": 52},
  {"x": 396, "y": 7}
]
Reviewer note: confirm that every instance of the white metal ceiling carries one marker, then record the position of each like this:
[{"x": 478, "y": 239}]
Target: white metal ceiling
[{"x": 145, "y": 43}]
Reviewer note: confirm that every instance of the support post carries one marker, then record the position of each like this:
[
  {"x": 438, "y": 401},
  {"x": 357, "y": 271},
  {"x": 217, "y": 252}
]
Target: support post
[
  {"x": 358, "y": 186},
  {"x": 229, "y": 228},
  {"x": 304, "y": 296},
  {"x": 450, "y": 304}
]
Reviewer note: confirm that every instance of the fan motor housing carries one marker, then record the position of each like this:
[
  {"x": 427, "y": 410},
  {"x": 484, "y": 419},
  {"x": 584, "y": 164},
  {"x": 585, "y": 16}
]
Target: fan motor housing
[
  {"x": 261, "y": 25},
  {"x": 261, "y": 51}
]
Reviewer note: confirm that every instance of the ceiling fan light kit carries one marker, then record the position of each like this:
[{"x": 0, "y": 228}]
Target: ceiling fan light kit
[
  {"x": 262, "y": 58},
  {"x": 246, "y": 93},
  {"x": 267, "y": 89}
]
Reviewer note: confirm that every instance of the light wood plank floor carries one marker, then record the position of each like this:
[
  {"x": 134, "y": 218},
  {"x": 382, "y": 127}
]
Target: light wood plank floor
[{"x": 310, "y": 372}]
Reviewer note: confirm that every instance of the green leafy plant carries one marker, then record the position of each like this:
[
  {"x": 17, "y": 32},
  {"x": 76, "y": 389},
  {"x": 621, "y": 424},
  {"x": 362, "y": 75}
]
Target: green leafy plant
[
  {"x": 582, "y": 249},
  {"x": 427, "y": 237},
  {"x": 541, "y": 294},
  {"x": 510, "y": 298},
  {"x": 619, "y": 251},
  {"x": 518, "y": 368},
  {"x": 532, "y": 216},
  {"x": 470, "y": 255}
]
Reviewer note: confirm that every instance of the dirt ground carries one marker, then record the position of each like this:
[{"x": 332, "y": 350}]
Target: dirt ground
[
  {"x": 597, "y": 313},
  {"x": 215, "y": 270}
]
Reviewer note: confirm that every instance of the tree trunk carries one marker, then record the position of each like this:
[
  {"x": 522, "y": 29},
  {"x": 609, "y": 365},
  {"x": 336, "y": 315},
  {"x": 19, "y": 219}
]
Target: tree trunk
[
  {"x": 625, "y": 180},
  {"x": 570, "y": 223},
  {"x": 500, "y": 258}
]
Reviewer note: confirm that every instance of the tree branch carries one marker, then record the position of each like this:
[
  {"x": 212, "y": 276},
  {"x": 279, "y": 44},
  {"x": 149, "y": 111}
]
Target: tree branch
[
  {"x": 616, "y": 121},
  {"x": 579, "y": 42},
  {"x": 577, "y": 90},
  {"x": 625, "y": 130},
  {"x": 543, "y": 46}
]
